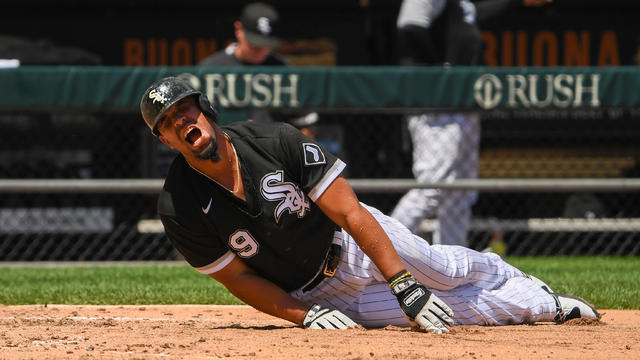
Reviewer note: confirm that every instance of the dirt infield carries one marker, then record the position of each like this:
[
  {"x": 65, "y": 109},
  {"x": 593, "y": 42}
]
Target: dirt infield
[{"x": 206, "y": 332}]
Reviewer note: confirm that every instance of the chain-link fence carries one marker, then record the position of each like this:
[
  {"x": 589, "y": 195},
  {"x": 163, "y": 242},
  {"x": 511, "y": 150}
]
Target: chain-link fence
[{"x": 512, "y": 144}]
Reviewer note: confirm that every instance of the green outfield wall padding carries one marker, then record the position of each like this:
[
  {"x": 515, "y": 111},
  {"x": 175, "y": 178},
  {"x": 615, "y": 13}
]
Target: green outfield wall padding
[{"x": 382, "y": 87}]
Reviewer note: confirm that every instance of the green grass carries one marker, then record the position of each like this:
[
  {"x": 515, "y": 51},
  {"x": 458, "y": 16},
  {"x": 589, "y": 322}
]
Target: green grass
[
  {"x": 110, "y": 285},
  {"x": 607, "y": 282}
]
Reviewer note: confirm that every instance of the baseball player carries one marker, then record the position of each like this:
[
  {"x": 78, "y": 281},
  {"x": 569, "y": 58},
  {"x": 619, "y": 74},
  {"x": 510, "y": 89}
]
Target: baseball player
[
  {"x": 263, "y": 209},
  {"x": 445, "y": 144}
]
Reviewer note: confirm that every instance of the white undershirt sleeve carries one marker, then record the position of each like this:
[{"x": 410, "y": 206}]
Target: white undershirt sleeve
[
  {"x": 217, "y": 265},
  {"x": 327, "y": 179}
]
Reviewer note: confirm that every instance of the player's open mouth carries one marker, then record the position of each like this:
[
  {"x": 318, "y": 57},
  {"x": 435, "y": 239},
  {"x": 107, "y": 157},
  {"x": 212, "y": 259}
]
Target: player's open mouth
[{"x": 194, "y": 136}]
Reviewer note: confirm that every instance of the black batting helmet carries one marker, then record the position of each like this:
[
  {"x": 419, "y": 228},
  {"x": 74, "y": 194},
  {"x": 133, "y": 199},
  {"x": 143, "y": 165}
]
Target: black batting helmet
[{"x": 163, "y": 93}]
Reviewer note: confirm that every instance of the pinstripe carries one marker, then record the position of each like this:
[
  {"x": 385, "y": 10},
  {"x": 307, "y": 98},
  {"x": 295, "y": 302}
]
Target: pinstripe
[
  {"x": 445, "y": 148},
  {"x": 480, "y": 288},
  {"x": 516, "y": 302}
]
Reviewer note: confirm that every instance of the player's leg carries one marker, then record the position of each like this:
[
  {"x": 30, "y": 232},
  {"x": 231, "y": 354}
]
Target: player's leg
[
  {"x": 415, "y": 46},
  {"x": 415, "y": 206},
  {"x": 480, "y": 287},
  {"x": 454, "y": 214},
  {"x": 454, "y": 220},
  {"x": 445, "y": 267},
  {"x": 432, "y": 161},
  {"x": 519, "y": 300},
  {"x": 474, "y": 284}
]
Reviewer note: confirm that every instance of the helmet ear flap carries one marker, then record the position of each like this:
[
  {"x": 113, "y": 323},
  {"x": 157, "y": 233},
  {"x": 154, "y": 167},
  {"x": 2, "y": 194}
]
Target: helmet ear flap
[{"x": 207, "y": 107}]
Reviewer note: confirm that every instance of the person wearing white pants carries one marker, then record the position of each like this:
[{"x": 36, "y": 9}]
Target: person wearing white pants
[
  {"x": 445, "y": 148},
  {"x": 446, "y": 145}
]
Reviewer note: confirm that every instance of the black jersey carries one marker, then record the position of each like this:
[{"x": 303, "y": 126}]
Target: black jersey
[
  {"x": 227, "y": 57},
  {"x": 279, "y": 231}
]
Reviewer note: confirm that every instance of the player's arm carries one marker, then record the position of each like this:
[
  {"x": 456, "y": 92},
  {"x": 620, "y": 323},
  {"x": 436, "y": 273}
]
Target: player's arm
[
  {"x": 265, "y": 296},
  {"x": 421, "y": 307},
  {"x": 341, "y": 205},
  {"x": 241, "y": 280}
]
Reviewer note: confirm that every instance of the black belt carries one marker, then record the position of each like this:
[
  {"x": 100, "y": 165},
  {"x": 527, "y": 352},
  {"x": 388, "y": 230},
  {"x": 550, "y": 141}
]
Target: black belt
[{"x": 329, "y": 268}]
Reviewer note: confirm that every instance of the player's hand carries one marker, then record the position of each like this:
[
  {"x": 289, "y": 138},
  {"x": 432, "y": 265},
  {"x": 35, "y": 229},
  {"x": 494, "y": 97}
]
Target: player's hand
[
  {"x": 322, "y": 318},
  {"x": 421, "y": 307}
]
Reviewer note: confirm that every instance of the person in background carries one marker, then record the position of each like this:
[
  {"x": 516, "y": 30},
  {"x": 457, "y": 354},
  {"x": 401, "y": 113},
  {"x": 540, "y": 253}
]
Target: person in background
[
  {"x": 257, "y": 33},
  {"x": 307, "y": 124},
  {"x": 445, "y": 144}
]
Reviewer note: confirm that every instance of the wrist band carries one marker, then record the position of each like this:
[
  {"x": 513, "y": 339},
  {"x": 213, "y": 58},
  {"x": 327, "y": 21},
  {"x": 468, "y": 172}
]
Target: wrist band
[
  {"x": 400, "y": 273},
  {"x": 397, "y": 277}
]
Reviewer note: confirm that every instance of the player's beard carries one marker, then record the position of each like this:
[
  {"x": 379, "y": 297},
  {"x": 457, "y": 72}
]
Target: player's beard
[{"x": 211, "y": 152}]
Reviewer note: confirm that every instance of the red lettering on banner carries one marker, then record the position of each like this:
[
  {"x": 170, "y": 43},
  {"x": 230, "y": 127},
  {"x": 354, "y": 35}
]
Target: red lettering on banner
[
  {"x": 507, "y": 48},
  {"x": 133, "y": 52},
  {"x": 162, "y": 52},
  {"x": 490, "y": 48},
  {"x": 576, "y": 52},
  {"x": 181, "y": 53},
  {"x": 544, "y": 48},
  {"x": 608, "y": 49}
]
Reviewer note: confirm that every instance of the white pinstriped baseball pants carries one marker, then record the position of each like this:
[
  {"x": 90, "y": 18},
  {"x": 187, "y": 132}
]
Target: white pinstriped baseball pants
[
  {"x": 480, "y": 288},
  {"x": 445, "y": 148}
]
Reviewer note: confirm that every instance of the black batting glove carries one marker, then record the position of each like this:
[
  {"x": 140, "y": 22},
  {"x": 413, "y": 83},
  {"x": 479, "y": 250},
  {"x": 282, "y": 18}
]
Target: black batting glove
[{"x": 422, "y": 308}]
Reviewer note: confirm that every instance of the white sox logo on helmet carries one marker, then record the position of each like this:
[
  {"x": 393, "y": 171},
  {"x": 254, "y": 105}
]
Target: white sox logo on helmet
[
  {"x": 290, "y": 196},
  {"x": 157, "y": 96}
]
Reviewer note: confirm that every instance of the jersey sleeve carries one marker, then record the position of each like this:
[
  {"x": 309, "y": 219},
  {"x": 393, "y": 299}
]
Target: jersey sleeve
[
  {"x": 190, "y": 237},
  {"x": 312, "y": 166}
]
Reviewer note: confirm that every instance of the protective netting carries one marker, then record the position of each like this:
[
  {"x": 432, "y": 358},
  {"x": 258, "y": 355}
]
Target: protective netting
[{"x": 513, "y": 144}]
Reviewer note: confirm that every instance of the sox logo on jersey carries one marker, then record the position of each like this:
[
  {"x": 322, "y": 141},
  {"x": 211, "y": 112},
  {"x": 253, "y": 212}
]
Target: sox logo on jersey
[
  {"x": 291, "y": 197},
  {"x": 313, "y": 155}
]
